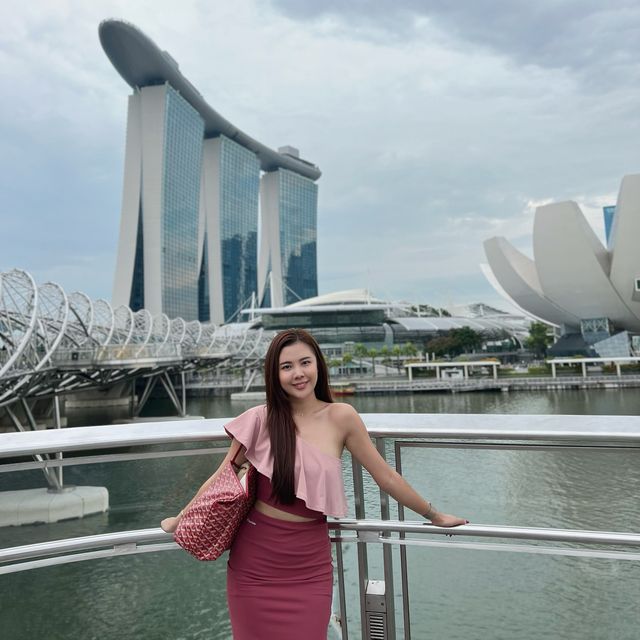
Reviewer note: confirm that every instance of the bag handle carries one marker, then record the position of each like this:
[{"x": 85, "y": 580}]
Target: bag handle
[{"x": 235, "y": 455}]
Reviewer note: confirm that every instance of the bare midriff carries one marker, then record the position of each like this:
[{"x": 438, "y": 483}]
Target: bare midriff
[{"x": 272, "y": 512}]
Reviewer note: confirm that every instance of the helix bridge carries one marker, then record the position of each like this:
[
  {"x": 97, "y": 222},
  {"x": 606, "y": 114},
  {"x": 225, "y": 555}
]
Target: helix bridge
[{"x": 54, "y": 343}]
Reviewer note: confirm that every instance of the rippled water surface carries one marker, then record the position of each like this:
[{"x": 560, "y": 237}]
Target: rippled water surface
[{"x": 453, "y": 593}]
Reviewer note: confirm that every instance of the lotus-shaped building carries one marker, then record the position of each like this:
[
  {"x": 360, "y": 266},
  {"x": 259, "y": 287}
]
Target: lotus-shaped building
[{"x": 574, "y": 281}]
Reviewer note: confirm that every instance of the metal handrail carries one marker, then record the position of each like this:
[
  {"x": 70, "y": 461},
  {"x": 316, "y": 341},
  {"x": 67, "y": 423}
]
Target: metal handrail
[
  {"x": 579, "y": 430},
  {"x": 118, "y": 543},
  {"x": 424, "y": 430}
]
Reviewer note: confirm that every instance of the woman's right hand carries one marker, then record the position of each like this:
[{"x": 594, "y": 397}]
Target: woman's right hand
[
  {"x": 169, "y": 525},
  {"x": 446, "y": 520}
]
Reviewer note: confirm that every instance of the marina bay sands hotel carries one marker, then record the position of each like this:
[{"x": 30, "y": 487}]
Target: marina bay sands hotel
[{"x": 197, "y": 190}]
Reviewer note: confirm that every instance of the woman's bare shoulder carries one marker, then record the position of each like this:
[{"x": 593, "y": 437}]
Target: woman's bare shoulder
[{"x": 342, "y": 414}]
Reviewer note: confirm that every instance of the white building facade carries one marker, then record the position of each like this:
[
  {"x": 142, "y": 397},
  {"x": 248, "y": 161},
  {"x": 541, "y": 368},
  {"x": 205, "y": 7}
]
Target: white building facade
[{"x": 574, "y": 281}]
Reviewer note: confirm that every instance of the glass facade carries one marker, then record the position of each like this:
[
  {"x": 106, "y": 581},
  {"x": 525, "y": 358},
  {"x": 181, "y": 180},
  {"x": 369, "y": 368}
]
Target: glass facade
[
  {"x": 614, "y": 347},
  {"x": 609, "y": 213},
  {"x": 204, "y": 313},
  {"x": 239, "y": 194},
  {"x": 322, "y": 319},
  {"x": 298, "y": 233},
  {"x": 180, "y": 273},
  {"x": 136, "y": 302},
  {"x": 182, "y": 157},
  {"x": 595, "y": 329}
]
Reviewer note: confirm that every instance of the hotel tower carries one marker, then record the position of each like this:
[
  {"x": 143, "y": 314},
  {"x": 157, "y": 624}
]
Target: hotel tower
[{"x": 196, "y": 192}]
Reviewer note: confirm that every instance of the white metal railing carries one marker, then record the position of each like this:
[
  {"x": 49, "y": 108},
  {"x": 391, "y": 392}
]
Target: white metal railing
[
  {"x": 45, "y": 554},
  {"x": 602, "y": 431},
  {"x": 405, "y": 430}
]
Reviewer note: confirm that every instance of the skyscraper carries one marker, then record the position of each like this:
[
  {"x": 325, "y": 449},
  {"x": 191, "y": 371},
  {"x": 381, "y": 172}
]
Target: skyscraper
[
  {"x": 192, "y": 189},
  {"x": 229, "y": 206},
  {"x": 157, "y": 254},
  {"x": 288, "y": 261}
]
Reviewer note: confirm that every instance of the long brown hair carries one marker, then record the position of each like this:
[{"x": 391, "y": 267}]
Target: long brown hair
[{"x": 280, "y": 423}]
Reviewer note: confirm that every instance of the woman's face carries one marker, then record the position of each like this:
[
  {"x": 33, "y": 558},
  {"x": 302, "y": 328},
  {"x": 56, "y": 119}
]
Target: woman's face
[{"x": 298, "y": 370}]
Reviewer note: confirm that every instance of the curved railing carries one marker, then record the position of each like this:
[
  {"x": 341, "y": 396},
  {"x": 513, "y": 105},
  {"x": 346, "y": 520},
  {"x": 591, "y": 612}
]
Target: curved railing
[{"x": 540, "y": 432}]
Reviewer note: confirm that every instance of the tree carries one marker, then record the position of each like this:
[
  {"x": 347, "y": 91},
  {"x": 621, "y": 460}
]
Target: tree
[
  {"x": 397, "y": 352},
  {"x": 384, "y": 353},
  {"x": 409, "y": 349},
  {"x": 539, "y": 339},
  {"x": 466, "y": 339},
  {"x": 442, "y": 346},
  {"x": 360, "y": 351},
  {"x": 455, "y": 342},
  {"x": 347, "y": 359},
  {"x": 373, "y": 354}
]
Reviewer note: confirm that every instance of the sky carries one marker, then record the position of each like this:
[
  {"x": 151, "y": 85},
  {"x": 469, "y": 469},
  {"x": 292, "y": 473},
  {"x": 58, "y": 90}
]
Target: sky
[{"x": 436, "y": 125}]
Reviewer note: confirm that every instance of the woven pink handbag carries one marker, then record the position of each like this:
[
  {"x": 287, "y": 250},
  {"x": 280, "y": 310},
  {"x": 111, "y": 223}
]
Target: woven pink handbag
[{"x": 209, "y": 525}]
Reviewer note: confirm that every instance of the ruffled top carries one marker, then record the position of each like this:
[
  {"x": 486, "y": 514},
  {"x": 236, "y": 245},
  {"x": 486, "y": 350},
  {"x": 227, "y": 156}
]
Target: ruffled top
[{"x": 317, "y": 475}]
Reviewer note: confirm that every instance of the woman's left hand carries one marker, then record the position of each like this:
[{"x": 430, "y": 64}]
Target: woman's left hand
[
  {"x": 169, "y": 525},
  {"x": 446, "y": 520}
]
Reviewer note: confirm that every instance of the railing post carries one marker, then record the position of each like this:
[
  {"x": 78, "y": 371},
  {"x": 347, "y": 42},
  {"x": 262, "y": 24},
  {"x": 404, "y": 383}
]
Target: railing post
[
  {"x": 58, "y": 424},
  {"x": 344, "y": 624},
  {"x": 404, "y": 573},
  {"x": 387, "y": 557},
  {"x": 363, "y": 563},
  {"x": 184, "y": 394}
]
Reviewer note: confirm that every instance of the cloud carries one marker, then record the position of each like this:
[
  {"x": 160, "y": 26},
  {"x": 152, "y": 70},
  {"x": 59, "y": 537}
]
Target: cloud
[
  {"x": 434, "y": 129},
  {"x": 582, "y": 35}
]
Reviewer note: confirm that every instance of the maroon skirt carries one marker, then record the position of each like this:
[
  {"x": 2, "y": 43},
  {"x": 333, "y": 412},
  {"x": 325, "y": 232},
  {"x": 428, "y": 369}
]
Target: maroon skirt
[{"x": 280, "y": 579}]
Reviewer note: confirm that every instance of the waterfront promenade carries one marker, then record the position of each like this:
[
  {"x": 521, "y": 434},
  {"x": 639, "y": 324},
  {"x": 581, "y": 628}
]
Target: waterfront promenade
[
  {"x": 497, "y": 384},
  {"x": 344, "y": 386}
]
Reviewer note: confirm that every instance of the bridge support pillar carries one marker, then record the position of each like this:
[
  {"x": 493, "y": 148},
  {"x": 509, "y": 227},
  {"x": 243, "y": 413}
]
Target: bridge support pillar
[
  {"x": 178, "y": 401},
  {"x": 31, "y": 506}
]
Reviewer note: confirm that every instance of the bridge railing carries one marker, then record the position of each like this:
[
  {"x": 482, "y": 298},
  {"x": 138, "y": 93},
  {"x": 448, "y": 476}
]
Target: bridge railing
[
  {"x": 45, "y": 330},
  {"x": 393, "y": 434}
]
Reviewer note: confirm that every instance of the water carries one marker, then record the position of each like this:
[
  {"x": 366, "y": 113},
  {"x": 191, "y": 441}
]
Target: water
[{"x": 457, "y": 594}]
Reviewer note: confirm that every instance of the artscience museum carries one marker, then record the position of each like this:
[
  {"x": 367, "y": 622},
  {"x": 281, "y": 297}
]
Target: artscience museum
[{"x": 590, "y": 291}]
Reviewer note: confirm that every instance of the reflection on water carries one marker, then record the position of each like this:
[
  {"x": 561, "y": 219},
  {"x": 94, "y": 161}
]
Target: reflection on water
[{"x": 457, "y": 594}]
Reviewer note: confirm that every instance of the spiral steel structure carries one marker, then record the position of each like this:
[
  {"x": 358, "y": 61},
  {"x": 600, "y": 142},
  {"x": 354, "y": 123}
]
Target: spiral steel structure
[{"x": 51, "y": 342}]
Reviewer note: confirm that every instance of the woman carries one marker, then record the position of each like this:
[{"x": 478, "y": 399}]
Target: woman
[{"x": 279, "y": 573}]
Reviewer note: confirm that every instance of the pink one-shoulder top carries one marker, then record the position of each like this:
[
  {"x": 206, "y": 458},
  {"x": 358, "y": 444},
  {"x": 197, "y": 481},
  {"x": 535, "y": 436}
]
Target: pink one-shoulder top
[{"x": 317, "y": 475}]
